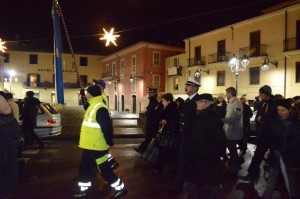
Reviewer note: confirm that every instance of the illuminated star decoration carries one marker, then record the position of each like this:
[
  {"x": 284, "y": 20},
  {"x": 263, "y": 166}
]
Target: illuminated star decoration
[
  {"x": 109, "y": 37},
  {"x": 2, "y": 47}
]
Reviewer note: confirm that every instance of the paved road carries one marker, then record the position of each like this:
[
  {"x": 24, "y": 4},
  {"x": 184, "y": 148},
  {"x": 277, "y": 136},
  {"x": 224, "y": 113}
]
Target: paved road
[{"x": 53, "y": 169}]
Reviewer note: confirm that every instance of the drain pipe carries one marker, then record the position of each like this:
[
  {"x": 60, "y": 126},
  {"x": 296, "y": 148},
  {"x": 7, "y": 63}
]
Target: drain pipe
[{"x": 285, "y": 58}]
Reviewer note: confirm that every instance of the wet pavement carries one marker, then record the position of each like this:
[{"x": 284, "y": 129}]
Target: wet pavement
[{"x": 53, "y": 169}]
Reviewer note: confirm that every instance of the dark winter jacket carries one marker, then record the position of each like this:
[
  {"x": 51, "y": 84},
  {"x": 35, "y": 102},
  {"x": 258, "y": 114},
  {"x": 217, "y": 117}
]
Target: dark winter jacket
[
  {"x": 30, "y": 111},
  {"x": 247, "y": 114},
  {"x": 171, "y": 115},
  {"x": 267, "y": 111},
  {"x": 151, "y": 114},
  {"x": 220, "y": 109},
  {"x": 188, "y": 115},
  {"x": 285, "y": 137},
  {"x": 206, "y": 144}
]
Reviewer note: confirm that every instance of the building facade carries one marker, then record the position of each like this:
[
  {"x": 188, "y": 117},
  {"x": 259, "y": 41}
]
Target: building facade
[
  {"x": 272, "y": 38},
  {"x": 130, "y": 72},
  {"x": 34, "y": 70}
]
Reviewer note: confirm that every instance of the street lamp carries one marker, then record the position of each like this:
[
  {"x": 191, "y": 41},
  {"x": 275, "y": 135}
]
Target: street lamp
[
  {"x": 265, "y": 66},
  {"x": 198, "y": 72},
  {"x": 11, "y": 73},
  {"x": 234, "y": 65},
  {"x": 132, "y": 78}
]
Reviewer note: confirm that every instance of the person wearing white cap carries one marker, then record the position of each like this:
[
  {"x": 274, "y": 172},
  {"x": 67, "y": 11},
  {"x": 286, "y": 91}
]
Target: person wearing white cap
[{"x": 187, "y": 117}]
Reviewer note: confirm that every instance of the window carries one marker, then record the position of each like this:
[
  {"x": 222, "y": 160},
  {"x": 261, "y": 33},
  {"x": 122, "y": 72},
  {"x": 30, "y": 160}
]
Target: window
[
  {"x": 83, "y": 61},
  {"x": 107, "y": 70},
  {"x": 83, "y": 80},
  {"x": 122, "y": 67},
  {"x": 6, "y": 57},
  {"x": 176, "y": 84},
  {"x": 221, "y": 51},
  {"x": 156, "y": 80},
  {"x": 122, "y": 84},
  {"x": 220, "y": 78},
  {"x": 197, "y": 53},
  {"x": 255, "y": 44},
  {"x": 156, "y": 58},
  {"x": 133, "y": 85},
  {"x": 33, "y": 80},
  {"x": 175, "y": 62},
  {"x": 297, "y": 72},
  {"x": 133, "y": 64},
  {"x": 33, "y": 59},
  {"x": 254, "y": 75},
  {"x": 114, "y": 70}
]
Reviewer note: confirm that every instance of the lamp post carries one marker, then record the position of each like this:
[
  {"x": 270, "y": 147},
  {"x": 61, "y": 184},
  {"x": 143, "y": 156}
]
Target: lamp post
[
  {"x": 11, "y": 73},
  {"x": 132, "y": 77},
  {"x": 266, "y": 65},
  {"x": 234, "y": 65}
]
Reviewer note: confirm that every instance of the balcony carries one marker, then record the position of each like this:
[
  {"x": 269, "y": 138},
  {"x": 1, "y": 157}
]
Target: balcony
[
  {"x": 106, "y": 74},
  {"x": 261, "y": 50},
  {"x": 218, "y": 57},
  {"x": 175, "y": 70},
  {"x": 291, "y": 44},
  {"x": 196, "y": 62}
]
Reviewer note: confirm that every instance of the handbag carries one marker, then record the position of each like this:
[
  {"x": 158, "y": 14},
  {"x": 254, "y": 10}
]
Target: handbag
[{"x": 164, "y": 138}]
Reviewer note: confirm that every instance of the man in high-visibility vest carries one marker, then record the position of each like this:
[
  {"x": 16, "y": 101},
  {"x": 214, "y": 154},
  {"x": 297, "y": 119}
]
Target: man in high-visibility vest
[
  {"x": 101, "y": 84},
  {"x": 96, "y": 137}
]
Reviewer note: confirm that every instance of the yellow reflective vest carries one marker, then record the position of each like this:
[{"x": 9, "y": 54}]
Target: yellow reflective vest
[
  {"x": 105, "y": 100},
  {"x": 91, "y": 135}
]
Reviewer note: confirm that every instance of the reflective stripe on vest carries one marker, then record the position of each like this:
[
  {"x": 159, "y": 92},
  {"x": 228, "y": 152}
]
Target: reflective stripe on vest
[{"x": 89, "y": 123}]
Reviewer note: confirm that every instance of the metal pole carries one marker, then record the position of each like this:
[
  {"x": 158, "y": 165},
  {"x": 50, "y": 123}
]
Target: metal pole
[{"x": 236, "y": 81}]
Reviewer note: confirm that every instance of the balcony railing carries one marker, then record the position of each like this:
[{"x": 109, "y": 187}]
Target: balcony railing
[
  {"x": 291, "y": 44},
  {"x": 218, "y": 57},
  {"x": 261, "y": 50},
  {"x": 196, "y": 62},
  {"x": 106, "y": 74}
]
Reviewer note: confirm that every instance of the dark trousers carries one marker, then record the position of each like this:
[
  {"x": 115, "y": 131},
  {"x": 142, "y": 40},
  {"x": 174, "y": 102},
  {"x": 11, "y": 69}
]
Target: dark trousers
[
  {"x": 257, "y": 158},
  {"x": 149, "y": 135},
  {"x": 168, "y": 156},
  {"x": 29, "y": 134},
  {"x": 243, "y": 142},
  {"x": 180, "y": 175},
  {"x": 88, "y": 162},
  {"x": 234, "y": 159},
  {"x": 8, "y": 166}
]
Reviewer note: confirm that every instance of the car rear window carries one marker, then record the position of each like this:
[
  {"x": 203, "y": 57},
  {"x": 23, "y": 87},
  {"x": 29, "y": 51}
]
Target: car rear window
[{"x": 50, "y": 108}]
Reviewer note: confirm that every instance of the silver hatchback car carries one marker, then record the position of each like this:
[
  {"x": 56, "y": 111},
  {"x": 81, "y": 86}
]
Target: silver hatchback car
[{"x": 48, "y": 120}]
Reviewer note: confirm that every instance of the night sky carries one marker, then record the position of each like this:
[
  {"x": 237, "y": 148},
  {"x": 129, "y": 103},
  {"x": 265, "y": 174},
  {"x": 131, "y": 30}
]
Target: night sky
[{"x": 160, "y": 21}]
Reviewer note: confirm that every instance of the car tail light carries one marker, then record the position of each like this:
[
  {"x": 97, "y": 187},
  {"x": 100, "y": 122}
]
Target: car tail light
[{"x": 51, "y": 122}]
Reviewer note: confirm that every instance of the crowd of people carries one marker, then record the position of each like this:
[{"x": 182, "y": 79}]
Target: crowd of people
[
  {"x": 200, "y": 138},
  {"x": 201, "y": 134}
]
